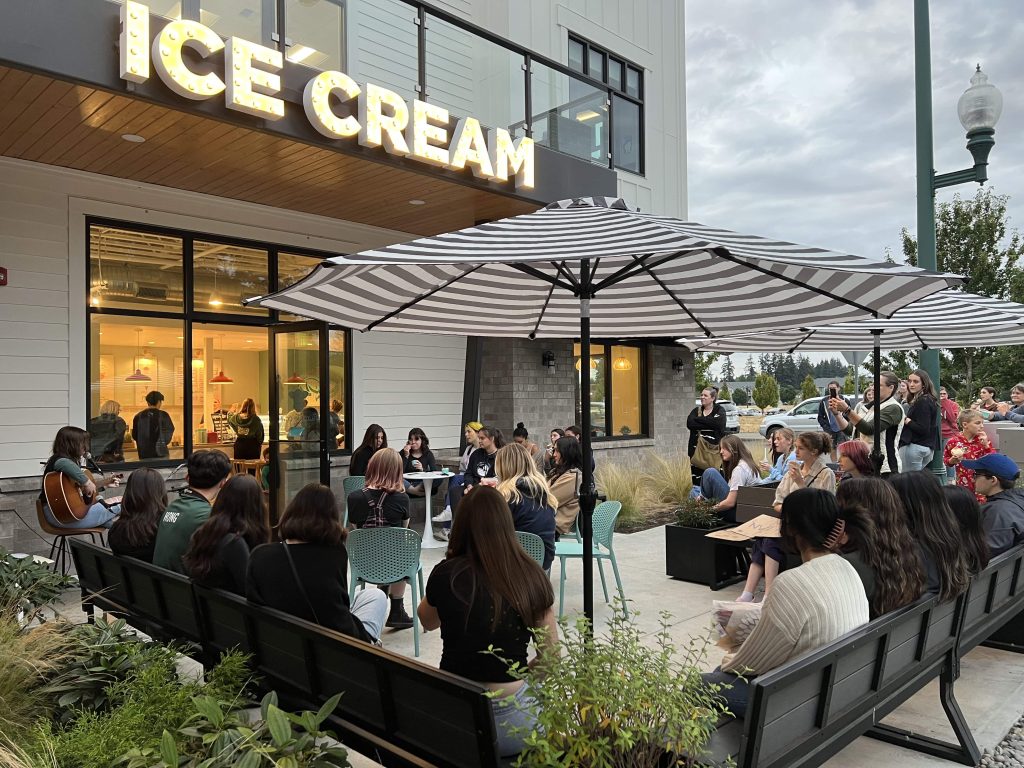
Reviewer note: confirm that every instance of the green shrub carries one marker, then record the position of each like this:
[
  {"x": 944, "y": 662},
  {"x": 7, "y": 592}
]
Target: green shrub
[
  {"x": 27, "y": 586},
  {"x": 29, "y": 658},
  {"x": 623, "y": 482},
  {"x": 612, "y": 701},
  {"x": 647, "y": 489},
  {"x": 697, "y": 513},
  {"x": 669, "y": 479},
  {"x": 148, "y": 701}
]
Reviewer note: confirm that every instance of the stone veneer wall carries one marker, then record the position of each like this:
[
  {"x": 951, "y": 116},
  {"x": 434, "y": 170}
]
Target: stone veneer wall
[{"x": 516, "y": 387}]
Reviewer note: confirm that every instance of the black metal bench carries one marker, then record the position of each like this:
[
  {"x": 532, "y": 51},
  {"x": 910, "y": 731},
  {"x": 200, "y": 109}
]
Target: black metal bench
[
  {"x": 400, "y": 712},
  {"x": 808, "y": 710}
]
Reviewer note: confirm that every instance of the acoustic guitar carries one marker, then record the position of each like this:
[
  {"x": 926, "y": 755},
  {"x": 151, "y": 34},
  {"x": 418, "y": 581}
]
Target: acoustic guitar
[{"x": 66, "y": 499}]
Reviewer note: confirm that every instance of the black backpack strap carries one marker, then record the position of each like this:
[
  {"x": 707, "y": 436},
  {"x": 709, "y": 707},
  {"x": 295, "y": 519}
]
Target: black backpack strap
[{"x": 298, "y": 581}]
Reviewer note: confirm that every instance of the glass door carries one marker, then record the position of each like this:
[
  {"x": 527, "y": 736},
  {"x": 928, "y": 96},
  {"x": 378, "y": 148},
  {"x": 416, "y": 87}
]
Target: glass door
[{"x": 301, "y": 433}]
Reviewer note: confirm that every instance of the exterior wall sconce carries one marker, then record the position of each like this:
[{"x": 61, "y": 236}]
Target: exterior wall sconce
[
  {"x": 677, "y": 365},
  {"x": 548, "y": 360}
]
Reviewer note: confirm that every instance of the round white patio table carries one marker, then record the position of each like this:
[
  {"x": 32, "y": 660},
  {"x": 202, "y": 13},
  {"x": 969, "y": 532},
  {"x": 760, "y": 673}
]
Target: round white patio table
[{"x": 428, "y": 478}]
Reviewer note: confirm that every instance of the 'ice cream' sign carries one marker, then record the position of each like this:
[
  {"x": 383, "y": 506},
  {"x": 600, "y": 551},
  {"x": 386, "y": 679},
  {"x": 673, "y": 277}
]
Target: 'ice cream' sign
[{"x": 375, "y": 116}]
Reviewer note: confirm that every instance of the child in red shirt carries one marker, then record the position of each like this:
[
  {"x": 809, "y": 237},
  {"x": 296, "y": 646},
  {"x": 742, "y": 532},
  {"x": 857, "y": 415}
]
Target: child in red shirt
[{"x": 971, "y": 443}]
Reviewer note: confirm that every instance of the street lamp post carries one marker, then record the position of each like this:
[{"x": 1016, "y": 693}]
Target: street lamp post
[{"x": 979, "y": 109}]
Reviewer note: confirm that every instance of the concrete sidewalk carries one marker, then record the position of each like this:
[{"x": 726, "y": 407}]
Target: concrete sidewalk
[{"x": 990, "y": 690}]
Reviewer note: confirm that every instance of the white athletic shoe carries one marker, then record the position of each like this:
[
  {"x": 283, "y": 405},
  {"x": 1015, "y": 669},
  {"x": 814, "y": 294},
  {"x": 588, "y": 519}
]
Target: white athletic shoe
[{"x": 444, "y": 517}]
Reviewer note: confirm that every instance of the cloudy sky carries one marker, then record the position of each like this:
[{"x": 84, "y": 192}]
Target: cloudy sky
[{"x": 801, "y": 114}]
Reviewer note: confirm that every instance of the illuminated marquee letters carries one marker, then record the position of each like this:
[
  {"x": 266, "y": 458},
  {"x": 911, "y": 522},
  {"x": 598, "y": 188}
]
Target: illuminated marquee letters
[{"x": 377, "y": 117}]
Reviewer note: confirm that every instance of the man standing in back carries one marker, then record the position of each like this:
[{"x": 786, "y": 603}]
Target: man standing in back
[
  {"x": 1002, "y": 516},
  {"x": 207, "y": 472}
]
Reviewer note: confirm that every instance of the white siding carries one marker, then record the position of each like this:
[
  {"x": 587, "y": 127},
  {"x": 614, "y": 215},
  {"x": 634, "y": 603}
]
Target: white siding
[
  {"x": 42, "y": 322},
  {"x": 409, "y": 380}
]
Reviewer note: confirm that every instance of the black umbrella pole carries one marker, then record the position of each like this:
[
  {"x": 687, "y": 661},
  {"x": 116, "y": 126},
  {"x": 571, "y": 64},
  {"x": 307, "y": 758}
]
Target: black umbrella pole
[
  {"x": 876, "y": 452},
  {"x": 588, "y": 495}
]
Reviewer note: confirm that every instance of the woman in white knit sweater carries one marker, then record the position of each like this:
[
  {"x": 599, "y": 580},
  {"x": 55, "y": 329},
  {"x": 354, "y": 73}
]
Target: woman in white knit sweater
[{"x": 808, "y": 606}]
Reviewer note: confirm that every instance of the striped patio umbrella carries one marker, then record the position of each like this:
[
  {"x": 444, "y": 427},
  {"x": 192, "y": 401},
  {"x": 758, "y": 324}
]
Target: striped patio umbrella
[
  {"x": 595, "y": 266},
  {"x": 946, "y": 320}
]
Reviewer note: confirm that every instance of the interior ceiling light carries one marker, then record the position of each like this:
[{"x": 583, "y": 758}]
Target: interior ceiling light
[
  {"x": 295, "y": 379},
  {"x": 221, "y": 377},
  {"x": 622, "y": 364},
  {"x": 138, "y": 376},
  {"x": 299, "y": 53},
  {"x": 593, "y": 364},
  {"x": 134, "y": 138},
  {"x": 417, "y": 202}
]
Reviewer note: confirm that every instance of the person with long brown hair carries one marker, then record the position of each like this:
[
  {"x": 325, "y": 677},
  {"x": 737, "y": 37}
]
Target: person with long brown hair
[
  {"x": 528, "y": 495},
  {"x": 248, "y": 430},
  {"x": 133, "y": 533},
  {"x": 306, "y": 573},
  {"x": 720, "y": 485},
  {"x": 374, "y": 439},
  {"x": 383, "y": 503},
  {"x": 936, "y": 532},
  {"x": 920, "y": 438},
  {"x": 70, "y": 446},
  {"x": 858, "y": 422},
  {"x": 481, "y": 461},
  {"x": 967, "y": 512},
  {"x": 565, "y": 479},
  {"x": 880, "y": 546},
  {"x": 808, "y": 607},
  {"x": 218, "y": 552},
  {"x": 489, "y": 594}
]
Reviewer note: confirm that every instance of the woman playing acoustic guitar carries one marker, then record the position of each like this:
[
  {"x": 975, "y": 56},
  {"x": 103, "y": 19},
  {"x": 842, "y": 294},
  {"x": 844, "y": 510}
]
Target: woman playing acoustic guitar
[{"x": 69, "y": 448}]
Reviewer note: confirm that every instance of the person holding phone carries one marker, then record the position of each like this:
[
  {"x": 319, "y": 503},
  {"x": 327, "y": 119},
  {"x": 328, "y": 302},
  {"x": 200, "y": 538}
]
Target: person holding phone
[{"x": 827, "y": 419}]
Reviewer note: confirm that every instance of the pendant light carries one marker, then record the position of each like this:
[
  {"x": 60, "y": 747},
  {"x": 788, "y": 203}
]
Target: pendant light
[
  {"x": 215, "y": 300},
  {"x": 221, "y": 377},
  {"x": 138, "y": 376},
  {"x": 622, "y": 364},
  {"x": 295, "y": 379},
  {"x": 593, "y": 364}
]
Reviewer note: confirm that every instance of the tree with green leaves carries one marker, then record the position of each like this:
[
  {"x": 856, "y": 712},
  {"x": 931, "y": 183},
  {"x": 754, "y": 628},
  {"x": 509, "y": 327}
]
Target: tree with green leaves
[
  {"x": 749, "y": 372},
  {"x": 788, "y": 393},
  {"x": 702, "y": 362},
  {"x": 808, "y": 388},
  {"x": 766, "y": 391},
  {"x": 723, "y": 393},
  {"x": 972, "y": 238},
  {"x": 728, "y": 371},
  {"x": 740, "y": 397},
  {"x": 850, "y": 383}
]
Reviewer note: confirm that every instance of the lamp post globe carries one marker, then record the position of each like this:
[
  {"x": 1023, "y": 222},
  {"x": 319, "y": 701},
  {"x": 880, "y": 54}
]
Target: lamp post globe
[{"x": 979, "y": 109}]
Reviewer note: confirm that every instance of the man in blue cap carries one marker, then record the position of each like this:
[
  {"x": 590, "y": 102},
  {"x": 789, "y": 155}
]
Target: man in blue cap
[{"x": 995, "y": 475}]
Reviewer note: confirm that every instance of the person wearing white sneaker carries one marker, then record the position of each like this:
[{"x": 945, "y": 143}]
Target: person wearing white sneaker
[{"x": 456, "y": 483}]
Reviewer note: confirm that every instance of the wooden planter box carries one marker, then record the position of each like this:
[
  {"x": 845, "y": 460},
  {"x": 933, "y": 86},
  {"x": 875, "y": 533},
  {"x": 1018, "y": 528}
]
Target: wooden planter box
[{"x": 691, "y": 556}]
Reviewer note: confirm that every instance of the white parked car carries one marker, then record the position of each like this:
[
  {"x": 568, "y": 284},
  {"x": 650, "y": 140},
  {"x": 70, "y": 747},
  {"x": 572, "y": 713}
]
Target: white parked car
[
  {"x": 732, "y": 415},
  {"x": 802, "y": 418}
]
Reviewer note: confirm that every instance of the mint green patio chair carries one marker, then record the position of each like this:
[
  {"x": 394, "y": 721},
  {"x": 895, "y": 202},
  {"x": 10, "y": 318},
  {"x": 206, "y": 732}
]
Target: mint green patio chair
[
  {"x": 533, "y": 544},
  {"x": 384, "y": 556},
  {"x": 349, "y": 484},
  {"x": 604, "y": 518}
]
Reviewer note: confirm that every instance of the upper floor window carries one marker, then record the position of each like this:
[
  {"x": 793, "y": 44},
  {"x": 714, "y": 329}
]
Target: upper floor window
[{"x": 627, "y": 106}]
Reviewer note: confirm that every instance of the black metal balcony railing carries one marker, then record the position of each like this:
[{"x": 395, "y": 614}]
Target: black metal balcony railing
[{"x": 419, "y": 50}]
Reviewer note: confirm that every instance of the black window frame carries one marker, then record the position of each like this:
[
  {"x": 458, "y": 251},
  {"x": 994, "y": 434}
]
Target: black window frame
[
  {"x": 607, "y": 57},
  {"x": 189, "y": 316},
  {"x": 643, "y": 388}
]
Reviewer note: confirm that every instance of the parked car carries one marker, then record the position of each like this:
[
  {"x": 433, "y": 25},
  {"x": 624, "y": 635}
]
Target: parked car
[
  {"x": 732, "y": 415},
  {"x": 802, "y": 418}
]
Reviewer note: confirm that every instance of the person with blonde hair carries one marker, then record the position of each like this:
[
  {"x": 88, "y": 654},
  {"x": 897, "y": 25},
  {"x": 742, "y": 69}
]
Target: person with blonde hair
[
  {"x": 383, "y": 503},
  {"x": 971, "y": 444},
  {"x": 528, "y": 494},
  {"x": 107, "y": 431},
  {"x": 248, "y": 430}
]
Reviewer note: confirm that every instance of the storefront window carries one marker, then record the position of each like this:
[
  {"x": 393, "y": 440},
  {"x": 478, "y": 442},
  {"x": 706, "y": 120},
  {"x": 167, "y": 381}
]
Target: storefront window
[
  {"x": 205, "y": 357},
  {"x": 316, "y": 33},
  {"x": 617, "y": 390},
  {"x": 228, "y": 367},
  {"x": 137, "y": 392},
  {"x": 225, "y": 274},
  {"x": 252, "y": 20},
  {"x": 569, "y": 115},
  {"x": 134, "y": 270}
]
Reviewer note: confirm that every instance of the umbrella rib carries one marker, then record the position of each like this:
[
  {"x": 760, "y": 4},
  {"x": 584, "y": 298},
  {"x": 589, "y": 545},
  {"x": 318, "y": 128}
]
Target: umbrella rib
[
  {"x": 534, "y": 272},
  {"x": 543, "y": 309},
  {"x": 918, "y": 337},
  {"x": 799, "y": 343},
  {"x": 724, "y": 253},
  {"x": 674, "y": 298},
  {"x": 421, "y": 297},
  {"x": 624, "y": 273},
  {"x": 560, "y": 266}
]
